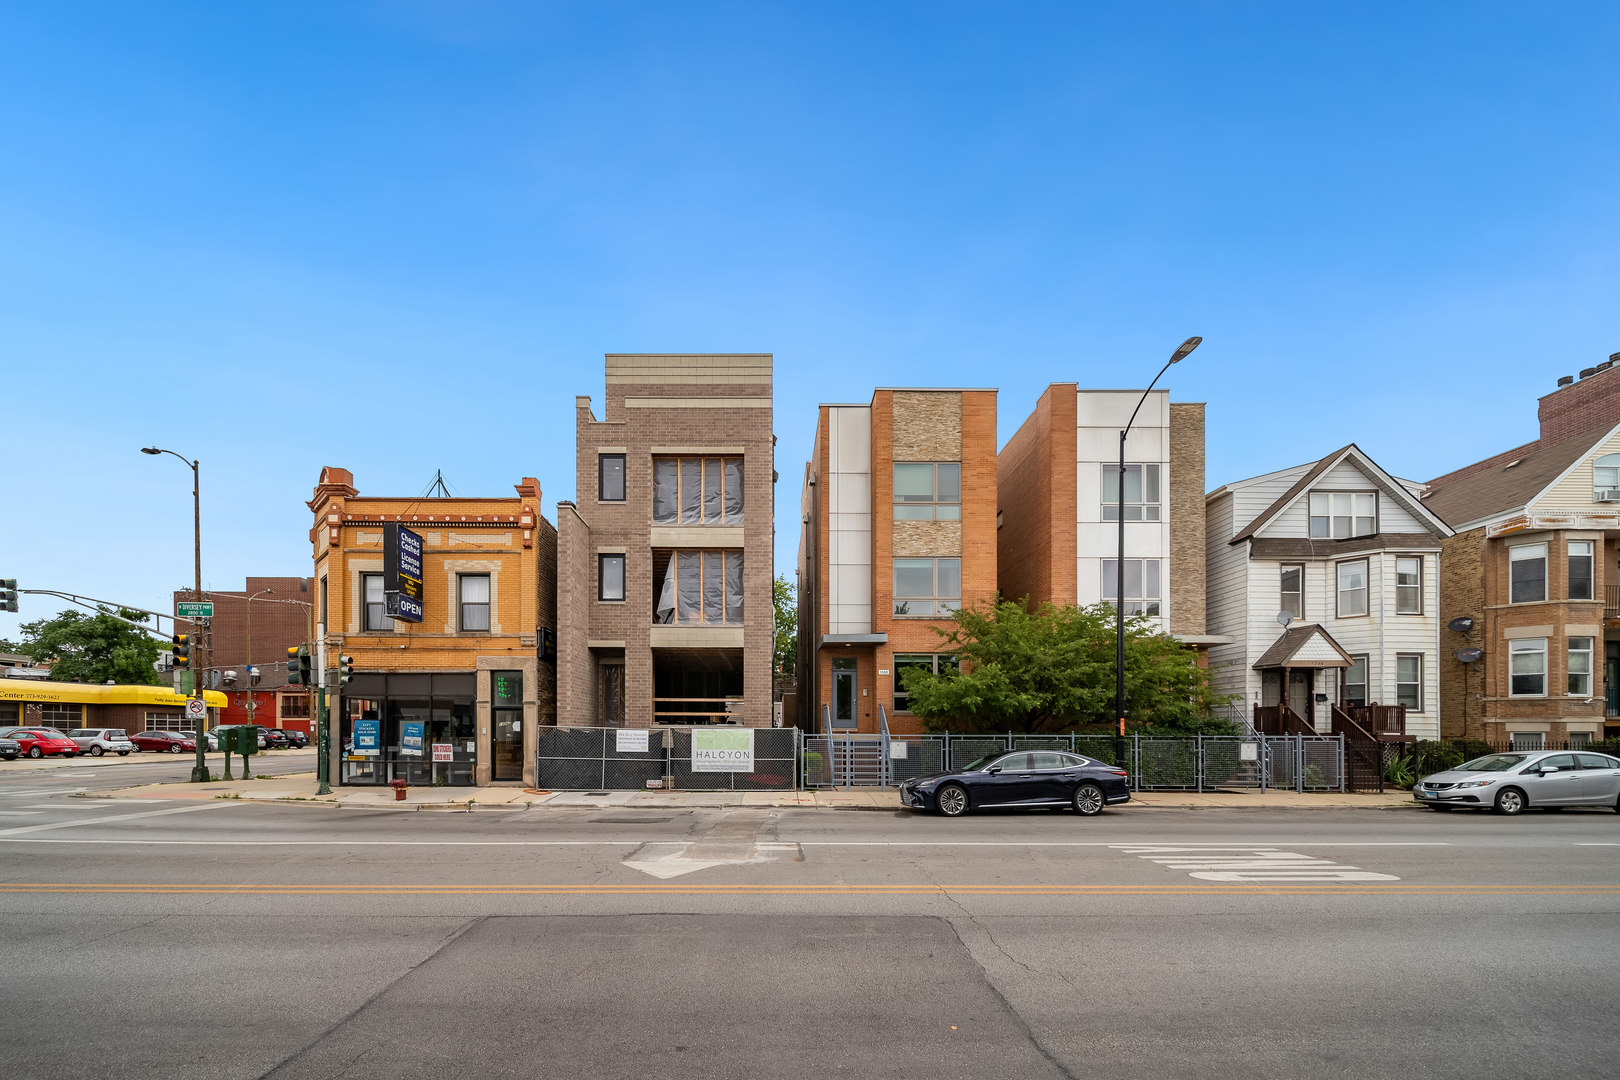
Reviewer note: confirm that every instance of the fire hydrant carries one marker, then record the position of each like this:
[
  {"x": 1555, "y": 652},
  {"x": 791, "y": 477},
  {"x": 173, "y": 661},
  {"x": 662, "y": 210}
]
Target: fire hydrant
[{"x": 399, "y": 789}]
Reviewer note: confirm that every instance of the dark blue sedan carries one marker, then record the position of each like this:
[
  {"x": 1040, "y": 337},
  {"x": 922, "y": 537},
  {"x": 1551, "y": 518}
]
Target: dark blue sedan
[{"x": 1023, "y": 778}]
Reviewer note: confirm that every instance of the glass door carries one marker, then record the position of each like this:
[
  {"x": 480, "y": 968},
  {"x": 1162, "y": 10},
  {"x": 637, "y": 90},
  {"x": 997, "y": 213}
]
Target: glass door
[
  {"x": 508, "y": 744},
  {"x": 843, "y": 712}
]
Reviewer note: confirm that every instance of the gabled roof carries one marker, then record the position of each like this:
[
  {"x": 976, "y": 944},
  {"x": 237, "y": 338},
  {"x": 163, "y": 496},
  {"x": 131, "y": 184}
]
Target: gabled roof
[
  {"x": 1374, "y": 472},
  {"x": 1307, "y": 646},
  {"x": 1506, "y": 488}
]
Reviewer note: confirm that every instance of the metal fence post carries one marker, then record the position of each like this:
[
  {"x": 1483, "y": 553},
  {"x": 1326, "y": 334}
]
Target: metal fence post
[
  {"x": 1299, "y": 763},
  {"x": 1342, "y": 763},
  {"x": 1198, "y": 764}
]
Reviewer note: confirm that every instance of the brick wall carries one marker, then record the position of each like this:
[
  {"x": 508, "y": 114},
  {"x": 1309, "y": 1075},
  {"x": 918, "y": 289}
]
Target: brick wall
[
  {"x": 278, "y": 622},
  {"x": 1187, "y": 580},
  {"x": 1462, "y": 593},
  {"x": 1585, "y": 404},
  {"x": 1035, "y": 481}
]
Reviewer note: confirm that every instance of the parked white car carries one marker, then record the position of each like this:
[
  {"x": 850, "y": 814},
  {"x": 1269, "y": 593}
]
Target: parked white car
[
  {"x": 1513, "y": 782},
  {"x": 97, "y": 741}
]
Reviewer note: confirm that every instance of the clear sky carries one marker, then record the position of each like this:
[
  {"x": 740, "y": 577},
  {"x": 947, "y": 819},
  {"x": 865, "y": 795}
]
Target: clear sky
[{"x": 398, "y": 237}]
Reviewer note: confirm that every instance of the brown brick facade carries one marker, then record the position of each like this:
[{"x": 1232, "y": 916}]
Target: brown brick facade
[{"x": 1035, "y": 482}]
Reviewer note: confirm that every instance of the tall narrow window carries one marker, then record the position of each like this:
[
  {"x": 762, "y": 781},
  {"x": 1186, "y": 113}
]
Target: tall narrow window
[
  {"x": 1352, "y": 588},
  {"x": 1527, "y": 573},
  {"x": 610, "y": 577},
  {"x": 1409, "y": 681},
  {"x": 1339, "y": 515},
  {"x": 1580, "y": 667},
  {"x": 326, "y": 615},
  {"x": 1355, "y": 682},
  {"x": 1527, "y": 667},
  {"x": 372, "y": 588},
  {"x": 1141, "y": 585},
  {"x": 1141, "y": 492},
  {"x": 931, "y": 588},
  {"x": 1293, "y": 591},
  {"x": 1580, "y": 569},
  {"x": 698, "y": 491},
  {"x": 610, "y": 477},
  {"x": 1408, "y": 585},
  {"x": 474, "y": 590},
  {"x": 926, "y": 491}
]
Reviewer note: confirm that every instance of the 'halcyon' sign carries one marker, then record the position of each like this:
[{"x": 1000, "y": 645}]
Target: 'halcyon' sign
[
  {"x": 402, "y": 572},
  {"x": 723, "y": 750}
]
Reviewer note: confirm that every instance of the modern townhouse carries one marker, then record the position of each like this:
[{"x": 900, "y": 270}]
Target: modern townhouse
[
  {"x": 665, "y": 555},
  {"x": 1532, "y": 576},
  {"x": 1057, "y": 485},
  {"x": 1325, "y": 579},
  {"x": 898, "y": 530}
]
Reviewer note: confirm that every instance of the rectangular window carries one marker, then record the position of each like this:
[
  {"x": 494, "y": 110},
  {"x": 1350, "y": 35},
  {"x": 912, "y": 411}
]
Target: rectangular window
[
  {"x": 372, "y": 590},
  {"x": 1580, "y": 569},
  {"x": 700, "y": 588},
  {"x": 931, "y": 588},
  {"x": 1527, "y": 667},
  {"x": 1141, "y": 492},
  {"x": 610, "y": 477},
  {"x": 295, "y": 706},
  {"x": 1293, "y": 591},
  {"x": 610, "y": 577},
  {"x": 1527, "y": 740},
  {"x": 924, "y": 492},
  {"x": 1352, "y": 588},
  {"x": 1142, "y": 593},
  {"x": 326, "y": 616},
  {"x": 937, "y": 663},
  {"x": 1355, "y": 682},
  {"x": 474, "y": 601},
  {"x": 1409, "y": 681},
  {"x": 1527, "y": 573},
  {"x": 1580, "y": 667},
  {"x": 1339, "y": 515},
  {"x": 698, "y": 491},
  {"x": 1408, "y": 585},
  {"x": 1579, "y": 740}
]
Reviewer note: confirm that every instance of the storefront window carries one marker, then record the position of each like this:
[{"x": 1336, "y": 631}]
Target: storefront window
[{"x": 408, "y": 722}]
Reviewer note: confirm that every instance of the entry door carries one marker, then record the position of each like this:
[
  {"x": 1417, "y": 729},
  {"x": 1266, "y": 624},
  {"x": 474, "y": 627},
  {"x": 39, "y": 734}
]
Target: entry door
[
  {"x": 1300, "y": 688},
  {"x": 844, "y": 697},
  {"x": 508, "y": 745},
  {"x": 1611, "y": 680}
]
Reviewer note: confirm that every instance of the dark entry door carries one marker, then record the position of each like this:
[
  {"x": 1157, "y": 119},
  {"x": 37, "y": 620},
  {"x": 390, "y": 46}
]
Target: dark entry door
[
  {"x": 1300, "y": 687},
  {"x": 508, "y": 744}
]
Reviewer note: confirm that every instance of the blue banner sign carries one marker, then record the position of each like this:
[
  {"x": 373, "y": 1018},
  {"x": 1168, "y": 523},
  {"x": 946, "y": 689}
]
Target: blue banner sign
[
  {"x": 367, "y": 737},
  {"x": 410, "y": 738}
]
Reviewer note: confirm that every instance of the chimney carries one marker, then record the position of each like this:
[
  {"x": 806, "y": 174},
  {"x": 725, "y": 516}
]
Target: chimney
[{"x": 1581, "y": 405}]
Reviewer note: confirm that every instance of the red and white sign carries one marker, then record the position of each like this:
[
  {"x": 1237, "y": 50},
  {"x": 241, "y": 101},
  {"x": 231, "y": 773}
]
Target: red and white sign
[{"x": 443, "y": 751}]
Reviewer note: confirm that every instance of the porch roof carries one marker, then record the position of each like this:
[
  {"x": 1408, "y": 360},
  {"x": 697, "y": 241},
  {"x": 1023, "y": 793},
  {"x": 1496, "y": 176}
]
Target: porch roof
[{"x": 1307, "y": 646}]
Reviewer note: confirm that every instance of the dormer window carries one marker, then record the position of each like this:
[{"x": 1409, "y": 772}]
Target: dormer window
[
  {"x": 1606, "y": 478},
  {"x": 1339, "y": 515}
]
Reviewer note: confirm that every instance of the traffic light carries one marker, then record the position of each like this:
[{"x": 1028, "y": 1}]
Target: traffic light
[
  {"x": 180, "y": 645},
  {"x": 298, "y": 668},
  {"x": 8, "y": 594},
  {"x": 345, "y": 670}
]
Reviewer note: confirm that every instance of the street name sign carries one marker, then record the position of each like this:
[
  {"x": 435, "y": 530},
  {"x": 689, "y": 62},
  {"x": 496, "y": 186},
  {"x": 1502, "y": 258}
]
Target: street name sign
[{"x": 194, "y": 609}]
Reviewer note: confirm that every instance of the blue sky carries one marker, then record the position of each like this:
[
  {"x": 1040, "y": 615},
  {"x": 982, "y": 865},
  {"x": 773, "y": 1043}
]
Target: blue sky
[{"x": 398, "y": 237}]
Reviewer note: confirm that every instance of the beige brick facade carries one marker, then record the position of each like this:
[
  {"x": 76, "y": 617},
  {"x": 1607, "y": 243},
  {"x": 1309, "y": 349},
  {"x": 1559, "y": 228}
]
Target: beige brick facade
[{"x": 1187, "y": 580}]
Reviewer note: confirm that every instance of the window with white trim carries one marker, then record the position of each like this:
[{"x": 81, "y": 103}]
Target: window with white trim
[
  {"x": 1142, "y": 585},
  {"x": 1352, "y": 588},
  {"x": 1580, "y": 667},
  {"x": 1527, "y": 573},
  {"x": 1355, "y": 681},
  {"x": 1409, "y": 681},
  {"x": 931, "y": 588},
  {"x": 1606, "y": 477},
  {"x": 1527, "y": 740},
  {"x": 1293, "y": 591},
  {"x": 1141, "y": 492},
  {"x": 926, "y": 491},
  {"x": 1580, "y": 569},
  {"x": 1339, "y": 515},
  {"x": 474, "y": 590},
  {"x": 1408, "y": 585},
  {"x": 371, "y": 590},
  {"x": 1527, "y": 667}
]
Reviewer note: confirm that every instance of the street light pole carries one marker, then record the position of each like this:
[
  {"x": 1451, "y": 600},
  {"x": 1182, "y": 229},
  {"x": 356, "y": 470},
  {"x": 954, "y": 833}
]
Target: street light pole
[
  {"x": 199, "y": 770},
  {"x": 1119, "y": 563}
]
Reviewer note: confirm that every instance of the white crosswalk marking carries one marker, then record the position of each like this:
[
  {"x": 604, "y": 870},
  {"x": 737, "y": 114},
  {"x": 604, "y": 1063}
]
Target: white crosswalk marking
[
  {"x": 1255, "y": 864},
  {"x": 111, "y": 818},
  {"x": 38, "y": 793}
]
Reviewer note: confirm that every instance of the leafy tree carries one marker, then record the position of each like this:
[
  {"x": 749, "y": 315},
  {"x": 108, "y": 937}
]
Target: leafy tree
[
  {"x": 84, "y": 647},
  {"x": 1052, "y": 671},
  {"x": 785, "y": 597}
]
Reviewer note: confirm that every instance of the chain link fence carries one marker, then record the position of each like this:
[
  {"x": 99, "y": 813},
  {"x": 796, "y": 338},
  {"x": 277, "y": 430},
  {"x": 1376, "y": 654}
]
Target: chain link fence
[{"x": 589, "y": 759}]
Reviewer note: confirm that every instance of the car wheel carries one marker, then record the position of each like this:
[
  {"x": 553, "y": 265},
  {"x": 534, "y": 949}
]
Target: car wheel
[
  {"x": 1089, "y": 800},
  {"x": 96, "y": 751},
  {"x": 1510, "y": 801},
  {"x": 952, "y": 800},
  {"x": 174, "y": 748},
  {"x": 35, "y": 752}
]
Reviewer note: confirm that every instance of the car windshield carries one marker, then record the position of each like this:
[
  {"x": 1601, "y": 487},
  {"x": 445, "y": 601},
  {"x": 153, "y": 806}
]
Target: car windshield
[
  {"x": 980, "y": 763},
  {"x": 1492, "y": 763}
]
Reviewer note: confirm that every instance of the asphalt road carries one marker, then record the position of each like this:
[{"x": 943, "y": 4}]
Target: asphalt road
[
  {"x": 64, "y": 776},
  {"x": 221, "y": 939}
]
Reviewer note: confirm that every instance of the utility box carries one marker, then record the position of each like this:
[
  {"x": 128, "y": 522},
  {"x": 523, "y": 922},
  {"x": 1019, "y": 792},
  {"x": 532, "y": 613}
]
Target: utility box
[{"x": 238, "y": 739}]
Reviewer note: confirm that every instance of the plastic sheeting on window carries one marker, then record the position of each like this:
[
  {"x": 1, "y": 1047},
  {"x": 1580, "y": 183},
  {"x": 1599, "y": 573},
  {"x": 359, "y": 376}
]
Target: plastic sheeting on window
[
  {"x": 734, "y": 587},
  {"x": 711, "y": 491},
  {"x": 733, "y": 491},
  {"x": 702, "y": 588},
  {"x": 689, "y": 586},
  {"x": 714, "y": 587},
  {"x": 691, "y": 491},
  {"x": 698, "y": 491},
  {"x": 666, "y": 491}
]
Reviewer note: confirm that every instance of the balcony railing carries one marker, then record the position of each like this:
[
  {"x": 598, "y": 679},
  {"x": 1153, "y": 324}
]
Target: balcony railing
[
  {"x": 1379, "y": 719},
  {"x": 685, "y": 710},
  {"x": 1611, "y": 601}
]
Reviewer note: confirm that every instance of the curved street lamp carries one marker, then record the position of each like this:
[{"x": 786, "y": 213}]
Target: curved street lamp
[
  {"x": 199, "y": 771},
  {"x": 1119, "y": 564}
]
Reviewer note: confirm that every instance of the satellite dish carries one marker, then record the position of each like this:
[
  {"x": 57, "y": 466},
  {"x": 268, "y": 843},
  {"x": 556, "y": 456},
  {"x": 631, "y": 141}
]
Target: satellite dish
[
  {"x": 1284, "y": 618},
  {"x": 1470, "y": 656},
  {"x": 1461, "y": 624}
]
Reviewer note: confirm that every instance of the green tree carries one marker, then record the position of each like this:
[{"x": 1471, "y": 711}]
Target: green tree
[
  {"x": 1052, "y": 671},
  {"x": 84, "y": 647},
  {"x": 785, "y": 597}
]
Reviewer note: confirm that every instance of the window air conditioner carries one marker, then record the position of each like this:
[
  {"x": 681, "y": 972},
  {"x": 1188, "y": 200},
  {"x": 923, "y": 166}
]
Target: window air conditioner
[{"x": 1606, "y": 495}]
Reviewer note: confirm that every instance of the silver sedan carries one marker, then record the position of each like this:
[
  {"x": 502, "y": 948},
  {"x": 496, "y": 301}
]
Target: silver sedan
[{"x": 1512, "y": 782}]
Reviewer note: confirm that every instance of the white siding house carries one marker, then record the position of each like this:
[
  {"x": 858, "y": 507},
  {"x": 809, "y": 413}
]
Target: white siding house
[{"x": 1353, "y": 558}]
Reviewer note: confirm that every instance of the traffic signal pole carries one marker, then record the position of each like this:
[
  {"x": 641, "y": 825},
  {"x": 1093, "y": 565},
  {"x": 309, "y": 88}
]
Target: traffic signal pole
[{"x": 323, "y": 732}]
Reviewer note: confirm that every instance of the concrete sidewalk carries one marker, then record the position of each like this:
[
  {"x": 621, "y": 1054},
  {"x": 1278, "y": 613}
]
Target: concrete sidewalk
[{"x": 300, "y": 788}]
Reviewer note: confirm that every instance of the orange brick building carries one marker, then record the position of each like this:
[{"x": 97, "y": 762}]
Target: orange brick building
[
  {"x": 898, "y": 529},
  {"x": 470, "y": 672}
]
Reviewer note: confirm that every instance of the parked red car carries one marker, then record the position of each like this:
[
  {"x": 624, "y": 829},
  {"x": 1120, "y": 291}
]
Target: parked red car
[
  {"x": 175, "y": 742},
  {"x": 39, "y": 742}
]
